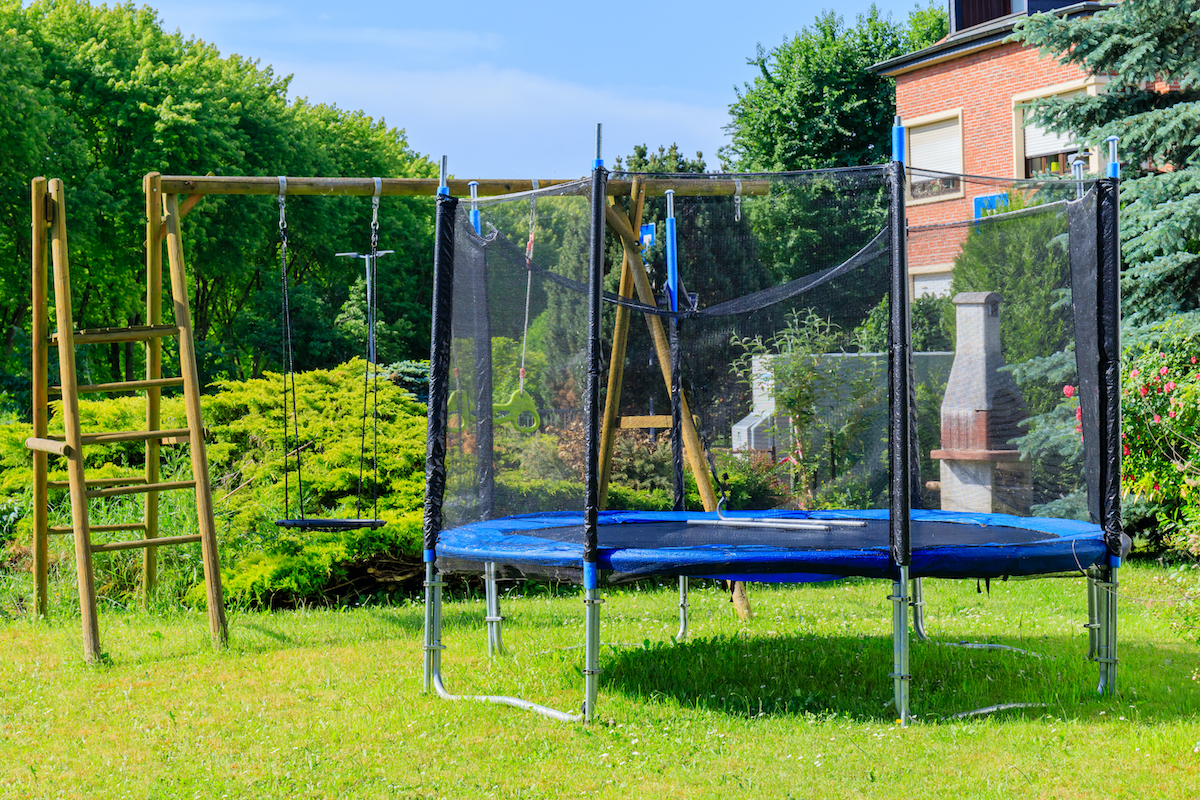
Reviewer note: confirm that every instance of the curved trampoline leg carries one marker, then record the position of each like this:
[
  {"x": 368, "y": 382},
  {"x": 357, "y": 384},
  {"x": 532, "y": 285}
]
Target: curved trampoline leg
[
  {"x": 918, "y": 610},
  {"x": 433, "y": 657},
  {"x": 683, "y": 609},
  {"x": 900, "y": 675},
  {"x": 493, "y": 619}
]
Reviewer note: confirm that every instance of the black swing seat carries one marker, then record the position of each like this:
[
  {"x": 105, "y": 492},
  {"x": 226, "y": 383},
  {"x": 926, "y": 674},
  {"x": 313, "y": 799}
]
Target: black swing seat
[{"x": 330, "y": 525}]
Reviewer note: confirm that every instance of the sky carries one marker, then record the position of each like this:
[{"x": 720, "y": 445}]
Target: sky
[{"x": 515, "y": 90}]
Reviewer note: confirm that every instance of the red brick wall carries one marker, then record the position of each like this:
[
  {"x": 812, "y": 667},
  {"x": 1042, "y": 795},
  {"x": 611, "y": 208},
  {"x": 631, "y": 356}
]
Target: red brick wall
[{"x": 982, "y": 84}]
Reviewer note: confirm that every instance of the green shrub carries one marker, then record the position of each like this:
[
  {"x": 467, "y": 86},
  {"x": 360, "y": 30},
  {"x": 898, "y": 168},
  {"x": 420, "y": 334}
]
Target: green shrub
[
  {"x": 1161, "y": 452},
  {"x": 261, "y": 563},
  {"x": 931, "y": 319}
]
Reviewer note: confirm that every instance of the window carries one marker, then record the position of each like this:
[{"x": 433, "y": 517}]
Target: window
[
  {"x": 977, "y": 12},
  {"x": 1046, "y": 152},
  {"x": 935, "y": 146}
]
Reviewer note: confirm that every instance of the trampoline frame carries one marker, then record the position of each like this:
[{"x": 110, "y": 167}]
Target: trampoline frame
[{"x": 907, "y": 604}]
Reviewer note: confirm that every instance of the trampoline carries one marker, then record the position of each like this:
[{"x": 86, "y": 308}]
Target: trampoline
[
  {"x": 640, "y": 544},
  {"x": 761, "y": 297}
]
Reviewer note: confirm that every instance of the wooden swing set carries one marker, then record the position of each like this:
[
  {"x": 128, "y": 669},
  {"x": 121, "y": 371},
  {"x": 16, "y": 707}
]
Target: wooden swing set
[{"x": 168, "y": 200}]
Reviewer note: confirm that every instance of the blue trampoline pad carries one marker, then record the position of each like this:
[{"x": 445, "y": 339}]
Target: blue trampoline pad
[{"x": 638, "y": 544}]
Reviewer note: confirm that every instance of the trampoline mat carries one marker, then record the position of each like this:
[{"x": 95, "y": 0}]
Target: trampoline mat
[{"x": 640, "y": 544}]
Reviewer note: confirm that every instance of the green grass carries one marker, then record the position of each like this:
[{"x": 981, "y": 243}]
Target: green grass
[{"x": 328, "y": 703}]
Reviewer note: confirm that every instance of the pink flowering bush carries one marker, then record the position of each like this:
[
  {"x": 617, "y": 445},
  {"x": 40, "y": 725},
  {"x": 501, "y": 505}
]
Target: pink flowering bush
[{"x": 1161, "y": 422}]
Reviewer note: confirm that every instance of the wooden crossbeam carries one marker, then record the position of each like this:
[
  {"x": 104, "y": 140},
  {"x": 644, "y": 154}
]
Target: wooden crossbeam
[{"x": 193, "y": 185}]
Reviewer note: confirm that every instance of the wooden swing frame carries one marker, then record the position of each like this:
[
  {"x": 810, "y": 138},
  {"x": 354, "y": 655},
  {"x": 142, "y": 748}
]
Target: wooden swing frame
[{"x": 633, "y": 273}]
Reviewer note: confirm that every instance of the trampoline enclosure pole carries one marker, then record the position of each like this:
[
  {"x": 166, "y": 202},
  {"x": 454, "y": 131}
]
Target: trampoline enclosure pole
[
  {"x": 435, "y": 446},
  {"x": 899, "y": 435},
  {"x": 591, "y": 577},
  {"x": 1109, "y": 295}
]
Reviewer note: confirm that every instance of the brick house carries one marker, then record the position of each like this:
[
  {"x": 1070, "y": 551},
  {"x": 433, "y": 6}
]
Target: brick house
[{"x": 963, "y": 101}]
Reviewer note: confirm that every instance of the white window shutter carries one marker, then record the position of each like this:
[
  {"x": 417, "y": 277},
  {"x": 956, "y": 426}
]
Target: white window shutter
[
  {"x": 937, "y": 147},
  {"x": 1041, "y": 142}
]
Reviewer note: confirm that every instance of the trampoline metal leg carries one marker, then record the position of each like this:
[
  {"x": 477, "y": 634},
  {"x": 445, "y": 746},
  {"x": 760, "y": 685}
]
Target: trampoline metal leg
[
  {"x": 683, "y": 609},
  {"x": 493, "y": 619},
  {"x": 1106, "y": 630},
  {"x": 591, "y": 653},
  {"x": 433, "y": 627},
  {"x": 1093, "y": 623},
  {"x": 900, "y": 674},
  {"x": 433, "y": 657},
  {"x": 918, "y": 610}
]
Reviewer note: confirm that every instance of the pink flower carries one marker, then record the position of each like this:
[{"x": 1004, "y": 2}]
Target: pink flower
[
  {"x": 1142, "y": 389},
  {"x": 1157, "y": 418},
  {"x": 1162, "y": 355},
  {"x": 1079, "y": 413},
  {"x": 1171, "y": 413},
  {"x": 1170, "y": 385},
  {"x": 1163, "y": 371},
  {"x": 1127, "y": 450},
  {"x": 1068, "y": 390},
  {"x": 1133, "y": 374},
  {"x": 1193, "y": 359}
]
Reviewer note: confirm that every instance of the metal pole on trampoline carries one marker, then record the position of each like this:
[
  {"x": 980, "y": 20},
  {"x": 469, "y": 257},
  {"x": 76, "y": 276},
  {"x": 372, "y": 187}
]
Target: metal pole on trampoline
[
  {"x": 591, "y": 600},
  {"x": 435, "y": 446},
  {"x": 899, "y": 380},
  {"x": 676, "y": 406},
  {"x": 494, "y": 618},
  {"x": 1109, "y": 295}
]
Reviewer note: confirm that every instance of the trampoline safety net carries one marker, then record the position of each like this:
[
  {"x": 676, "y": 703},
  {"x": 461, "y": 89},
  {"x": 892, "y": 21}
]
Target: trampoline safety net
[{"x": 782, "y": 335}]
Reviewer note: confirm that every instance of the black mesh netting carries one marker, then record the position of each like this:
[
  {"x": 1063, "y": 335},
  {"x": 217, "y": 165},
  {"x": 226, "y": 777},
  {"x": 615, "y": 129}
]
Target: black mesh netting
[
  {"x": 1003, "y": 430},
  {"x": 783, "y": 335}
]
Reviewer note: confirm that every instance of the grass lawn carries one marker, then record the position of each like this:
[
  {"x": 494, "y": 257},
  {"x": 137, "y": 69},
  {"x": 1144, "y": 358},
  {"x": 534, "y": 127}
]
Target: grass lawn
[{"x": 328, "y": 703}]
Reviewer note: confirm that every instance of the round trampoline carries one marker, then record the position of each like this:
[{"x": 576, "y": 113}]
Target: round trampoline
[
  {"x": 769, "y": 315},
  {"x": 774, "y": 546}
]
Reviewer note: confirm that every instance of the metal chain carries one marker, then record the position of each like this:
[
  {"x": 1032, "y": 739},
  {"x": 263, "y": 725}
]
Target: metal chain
[
  {"x": 528, "y": 282},
  {"x": 289, "y": 375}
]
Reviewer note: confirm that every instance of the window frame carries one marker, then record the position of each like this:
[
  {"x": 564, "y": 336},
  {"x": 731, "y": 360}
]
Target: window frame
[
  {"x": 956, "y": 193},
  {"x": 1092, "y": 85}
]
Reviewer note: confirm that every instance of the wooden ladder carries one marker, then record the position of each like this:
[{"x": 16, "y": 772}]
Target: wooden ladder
[{"x": 50, "y": 223}]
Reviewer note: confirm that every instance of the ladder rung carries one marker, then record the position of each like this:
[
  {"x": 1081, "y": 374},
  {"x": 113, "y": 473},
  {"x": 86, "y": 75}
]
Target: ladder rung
[
  {"x": 123, "y": 386},
  {"x": 655, "y": 421},
  {"x": 136, "y": 333},
  {"x": 159, "y": 542},
  {"x": 98, "y": 482},
  {"x": 144, "y": 488},
  {"x": 134, "y": 526},
  {"x": 132, "y": 436}
]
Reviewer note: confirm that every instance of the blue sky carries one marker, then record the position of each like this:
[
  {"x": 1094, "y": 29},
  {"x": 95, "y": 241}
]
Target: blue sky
[{"x": 515, "y": 90}]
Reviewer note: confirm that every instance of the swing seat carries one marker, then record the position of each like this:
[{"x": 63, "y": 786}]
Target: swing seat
[
  {"x": 510, "y": 413},
  {"x": 330, "y": 525}
]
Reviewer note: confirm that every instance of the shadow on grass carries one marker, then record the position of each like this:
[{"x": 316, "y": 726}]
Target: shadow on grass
[
  {"x": 279, "y": 630},
  {"x": 850, "y": 676}
]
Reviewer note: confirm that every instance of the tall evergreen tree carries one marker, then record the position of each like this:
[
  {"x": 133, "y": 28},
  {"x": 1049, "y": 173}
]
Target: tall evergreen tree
[{"x": 1150, "y": 52}]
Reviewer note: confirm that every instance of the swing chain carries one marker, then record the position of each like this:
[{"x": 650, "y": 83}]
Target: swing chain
[{"x": 375, "y": 219}]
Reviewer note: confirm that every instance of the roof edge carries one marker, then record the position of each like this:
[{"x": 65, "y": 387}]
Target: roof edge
[{"x": 974, "y": 39}]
